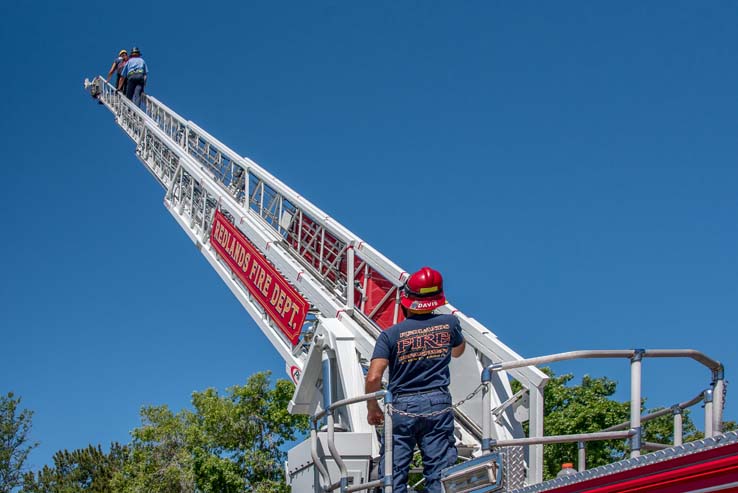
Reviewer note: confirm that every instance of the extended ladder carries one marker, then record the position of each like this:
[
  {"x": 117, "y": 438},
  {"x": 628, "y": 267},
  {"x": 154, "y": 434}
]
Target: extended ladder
[{"x": 317, "y": 291}]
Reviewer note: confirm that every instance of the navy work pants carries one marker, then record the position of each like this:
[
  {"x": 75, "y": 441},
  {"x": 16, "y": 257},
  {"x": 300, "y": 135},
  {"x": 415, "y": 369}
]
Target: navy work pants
[
  {"x": 434, "y": 436},
  {"x": 134, "y": 90}
]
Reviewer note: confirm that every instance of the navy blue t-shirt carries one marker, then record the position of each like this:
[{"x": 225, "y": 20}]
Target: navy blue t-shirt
[{"x": 419, "y": 351}]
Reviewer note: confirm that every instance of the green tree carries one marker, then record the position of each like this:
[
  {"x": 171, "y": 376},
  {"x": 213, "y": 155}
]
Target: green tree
[
  {"x": 160, "y": 459},
  {"x": 583, "y": 408},
  {"x": 245, "y": 428},
  {"x": 15, "y": 445},
  {"x": 82, "y": 470},
  {"x": 229, "y": 443}
]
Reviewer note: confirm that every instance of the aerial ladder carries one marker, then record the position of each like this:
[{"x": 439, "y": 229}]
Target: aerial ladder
[{"x": 321, "y": 295}]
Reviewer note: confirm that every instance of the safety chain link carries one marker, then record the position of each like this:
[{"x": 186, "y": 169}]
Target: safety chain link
[{"x": 392, "y": 410}]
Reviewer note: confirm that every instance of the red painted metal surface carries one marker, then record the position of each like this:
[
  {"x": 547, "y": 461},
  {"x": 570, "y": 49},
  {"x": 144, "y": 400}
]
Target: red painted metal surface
[
  {"x": 378, "y": 301},
  {"x": 712, "y": 468}
]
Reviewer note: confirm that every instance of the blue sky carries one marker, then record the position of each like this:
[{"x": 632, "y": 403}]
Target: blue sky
[{"x": 569, "y": 166}]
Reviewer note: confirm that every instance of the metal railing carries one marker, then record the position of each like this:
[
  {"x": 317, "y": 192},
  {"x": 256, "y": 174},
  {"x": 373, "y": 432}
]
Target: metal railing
[
  {"x": 343, "y": 481},
  {"x": 631, "y": 429},
  {"x": 713, "y": 399}
]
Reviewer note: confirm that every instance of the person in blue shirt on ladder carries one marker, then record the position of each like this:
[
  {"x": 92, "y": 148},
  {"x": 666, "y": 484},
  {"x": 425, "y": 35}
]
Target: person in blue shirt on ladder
[
  {"x": 135, "y": 72},
  {"x": 418, "y": 351}
]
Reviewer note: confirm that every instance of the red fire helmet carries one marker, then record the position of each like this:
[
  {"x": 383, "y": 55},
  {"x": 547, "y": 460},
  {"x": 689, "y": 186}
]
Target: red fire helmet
[{"x": 423, "y": 291}]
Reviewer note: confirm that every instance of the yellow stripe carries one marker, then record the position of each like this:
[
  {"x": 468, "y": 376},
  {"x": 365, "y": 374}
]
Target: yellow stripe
[{"x": 432, "y": 289}]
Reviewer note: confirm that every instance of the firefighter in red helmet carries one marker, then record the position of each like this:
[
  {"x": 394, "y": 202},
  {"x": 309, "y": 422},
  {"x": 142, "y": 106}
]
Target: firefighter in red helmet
[{"x": 418, "y": 351}]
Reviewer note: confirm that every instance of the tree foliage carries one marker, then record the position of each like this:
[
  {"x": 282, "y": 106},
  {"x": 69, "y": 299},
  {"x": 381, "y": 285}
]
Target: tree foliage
[
  {"x": 15, "y": 444},
  {"x": 159, "y": 460},
  {"x": 229, "y": 443},
  {"x": 583, "y": 408},
  {"x": 82, "y": 470},
  {"x": 226, "y": 444}
]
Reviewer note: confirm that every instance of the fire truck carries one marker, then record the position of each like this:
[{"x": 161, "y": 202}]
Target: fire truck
[{"x": 321, "y": 295}]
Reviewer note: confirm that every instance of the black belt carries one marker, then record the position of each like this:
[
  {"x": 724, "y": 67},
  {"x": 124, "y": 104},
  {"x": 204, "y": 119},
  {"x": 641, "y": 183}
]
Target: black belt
[{"x": 430, "y": 391}]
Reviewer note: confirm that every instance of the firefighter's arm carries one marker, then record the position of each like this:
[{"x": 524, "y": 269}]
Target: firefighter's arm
[
  {"x": 458, "y": 350},
  {"x": 374, "y": 383},
  {"x": 110, "y": 74}
]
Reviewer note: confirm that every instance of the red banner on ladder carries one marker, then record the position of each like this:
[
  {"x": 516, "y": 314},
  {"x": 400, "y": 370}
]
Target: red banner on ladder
[{"x": 284, "y": 304}]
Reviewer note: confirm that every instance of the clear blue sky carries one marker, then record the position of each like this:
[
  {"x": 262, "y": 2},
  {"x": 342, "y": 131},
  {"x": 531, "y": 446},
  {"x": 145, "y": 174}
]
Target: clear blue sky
[{"x": 569, "y": 166}]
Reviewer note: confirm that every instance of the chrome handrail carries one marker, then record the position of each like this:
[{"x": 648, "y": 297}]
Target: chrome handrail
[
  {"x": 343, "y": 482},
  {"x": 712, "y": 399}
]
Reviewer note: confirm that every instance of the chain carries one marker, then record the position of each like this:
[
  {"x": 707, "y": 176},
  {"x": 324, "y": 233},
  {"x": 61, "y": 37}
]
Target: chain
[{"x": 393, "y": 410}]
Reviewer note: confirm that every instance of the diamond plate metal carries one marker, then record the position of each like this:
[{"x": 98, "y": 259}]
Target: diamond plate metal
[{"x": 513, "y": 468}]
